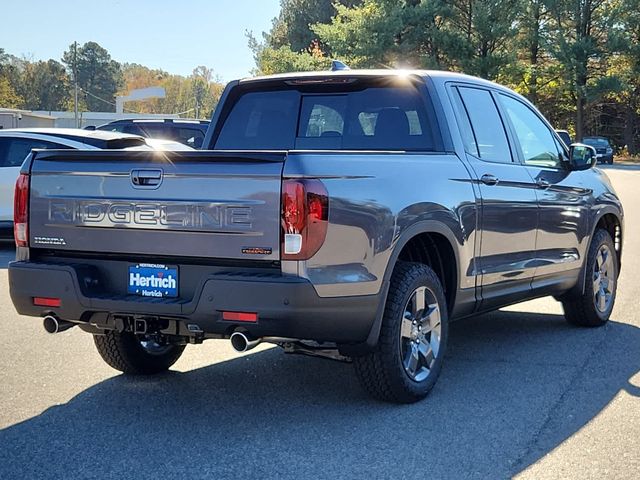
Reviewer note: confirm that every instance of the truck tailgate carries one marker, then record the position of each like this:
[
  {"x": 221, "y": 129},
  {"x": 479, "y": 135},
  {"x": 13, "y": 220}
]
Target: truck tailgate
[{"x": 191, "y": 204}]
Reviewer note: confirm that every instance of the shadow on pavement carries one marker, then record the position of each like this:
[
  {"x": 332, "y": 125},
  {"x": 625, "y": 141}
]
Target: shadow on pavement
[{"x": 515, "y": 386}]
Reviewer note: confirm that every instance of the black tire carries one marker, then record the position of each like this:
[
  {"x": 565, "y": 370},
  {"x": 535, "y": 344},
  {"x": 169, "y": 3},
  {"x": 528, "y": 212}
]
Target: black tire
[
  {"x": 382, "y": 372},
  {"x": 125, "y": 352},
  {"x": 581, "y": 310}
]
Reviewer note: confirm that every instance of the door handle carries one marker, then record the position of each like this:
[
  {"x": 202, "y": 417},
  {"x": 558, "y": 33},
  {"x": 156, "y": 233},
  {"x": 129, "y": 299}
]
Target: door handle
[
  {"x": 542, "y": 183},
  {"x": 489, "y": 179}
]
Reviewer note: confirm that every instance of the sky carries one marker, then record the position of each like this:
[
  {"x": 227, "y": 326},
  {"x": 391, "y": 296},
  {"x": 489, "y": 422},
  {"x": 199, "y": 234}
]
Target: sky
[{"x": 173, "y": 35}]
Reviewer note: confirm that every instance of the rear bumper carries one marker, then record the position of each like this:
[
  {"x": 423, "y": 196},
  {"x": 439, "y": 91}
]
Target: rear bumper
[{"x": 286, "y": 306}]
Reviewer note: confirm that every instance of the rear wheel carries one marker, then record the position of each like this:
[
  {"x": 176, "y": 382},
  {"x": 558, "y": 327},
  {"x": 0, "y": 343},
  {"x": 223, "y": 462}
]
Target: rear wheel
[
  {"x": 593, "y": 308},
  {"x": 407, "y": 360},
  {"x": 136, "y": 354}
]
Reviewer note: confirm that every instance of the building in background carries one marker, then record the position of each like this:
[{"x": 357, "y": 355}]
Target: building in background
[
  {"x": 95, "y": 119},
  {"x": 15, "y": 118}
]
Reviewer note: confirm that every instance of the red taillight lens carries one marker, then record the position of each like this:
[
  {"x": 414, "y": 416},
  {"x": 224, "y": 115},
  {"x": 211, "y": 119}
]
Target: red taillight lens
[
  {"x": 21, "y": 211},
  {"x": 305, "y": 215}
]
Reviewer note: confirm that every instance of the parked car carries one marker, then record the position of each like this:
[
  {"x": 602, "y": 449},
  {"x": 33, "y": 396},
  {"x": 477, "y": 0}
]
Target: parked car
[
  {"x": 15, "y": 145},
  {"x": 189, "y": 132},
  {"x": 604, "y": 151},
  {"x": 349, "y": 215},
  {"x": 565, "y": 137}
]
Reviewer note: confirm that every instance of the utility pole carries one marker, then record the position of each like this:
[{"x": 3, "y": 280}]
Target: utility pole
[{"x": 75, "y": 81}]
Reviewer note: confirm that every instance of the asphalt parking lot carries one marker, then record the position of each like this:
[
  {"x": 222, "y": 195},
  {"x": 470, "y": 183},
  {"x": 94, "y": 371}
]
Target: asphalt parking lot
[{"x": 522, "y": 394}]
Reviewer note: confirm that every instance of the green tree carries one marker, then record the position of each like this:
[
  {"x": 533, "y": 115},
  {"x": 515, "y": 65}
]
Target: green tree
[
  {"x": 44, "y": 86},
  {"x": 581, "y": 31},
  {"x": 270, "y": 60},
  {"x": 8, "y": 96},
  {"x": 97, "y": 74},
  {"x": 486, "y": 30},
  {"x": 292, "y": 27}
]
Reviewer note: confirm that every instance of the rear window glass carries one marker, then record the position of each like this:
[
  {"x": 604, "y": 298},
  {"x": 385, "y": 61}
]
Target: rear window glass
[
  {"x": 375, "y": 118},
  {"x": 261, "y": 121}
]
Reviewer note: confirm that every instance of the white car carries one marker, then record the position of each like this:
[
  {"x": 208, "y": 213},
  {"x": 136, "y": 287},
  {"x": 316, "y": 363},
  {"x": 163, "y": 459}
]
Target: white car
[{"x": 16, "y": 144}]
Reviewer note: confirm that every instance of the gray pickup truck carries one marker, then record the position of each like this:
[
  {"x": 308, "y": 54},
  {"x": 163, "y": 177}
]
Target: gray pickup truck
[{"x": 349, "y": 215}]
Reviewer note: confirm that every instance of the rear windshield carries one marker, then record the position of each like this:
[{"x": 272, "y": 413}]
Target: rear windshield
[{"x": 376, "y": 118}]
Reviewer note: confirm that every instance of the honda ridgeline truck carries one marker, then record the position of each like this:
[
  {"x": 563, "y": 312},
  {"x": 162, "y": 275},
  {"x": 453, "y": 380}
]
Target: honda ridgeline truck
[{"x": 345, "y": 214}]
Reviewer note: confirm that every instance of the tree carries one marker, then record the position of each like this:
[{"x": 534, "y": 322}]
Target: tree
[
  {"x": 8, "y": 96},
  {"x": 581, "y": 29},
  {"x": 270, "y": 60},
  {"x": 486, "y": 31},
  {"x": 203, "y": 88},
  {"x": 292, "y": 27},
  {"x": 97, "y": 74},
  {"x": 44, "y": 86},
  {"x": 470, "y": 35}
]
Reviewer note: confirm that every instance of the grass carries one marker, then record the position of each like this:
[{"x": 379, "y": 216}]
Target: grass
[{"x": 627, "y": 159}]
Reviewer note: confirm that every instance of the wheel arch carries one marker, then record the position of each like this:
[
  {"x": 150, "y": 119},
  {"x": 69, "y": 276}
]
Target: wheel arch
[
  {"x": 445, "y": 238},
  {"x": 610, "y": 219}
]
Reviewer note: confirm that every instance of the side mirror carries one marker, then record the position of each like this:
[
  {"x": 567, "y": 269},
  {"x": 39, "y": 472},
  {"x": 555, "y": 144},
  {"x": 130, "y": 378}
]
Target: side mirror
[{"x": 581, "y": 156}]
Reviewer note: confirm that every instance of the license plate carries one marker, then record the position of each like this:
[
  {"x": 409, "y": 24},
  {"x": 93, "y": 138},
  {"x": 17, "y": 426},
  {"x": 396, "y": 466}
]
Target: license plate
[
  {"x": 599, "y": 155},
  {"x": 151, "y": 280}
]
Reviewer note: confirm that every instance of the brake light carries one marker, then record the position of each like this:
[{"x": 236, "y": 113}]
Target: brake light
[
  {"x": 21, "y": 211},
  {"x": 305, "y": 215}
]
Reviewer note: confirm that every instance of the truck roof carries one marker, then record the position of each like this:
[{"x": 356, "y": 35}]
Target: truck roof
[{"x": 374, "y": 73}]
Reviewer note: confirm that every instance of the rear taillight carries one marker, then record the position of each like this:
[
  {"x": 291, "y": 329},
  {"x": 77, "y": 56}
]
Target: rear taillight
[
  {"x": 305, "y": 214},
  {"x": 21, "y": 211}
]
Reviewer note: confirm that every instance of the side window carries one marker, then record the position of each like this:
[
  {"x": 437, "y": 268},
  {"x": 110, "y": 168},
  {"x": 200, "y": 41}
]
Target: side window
[
  {"x": 488, "y": 129},
  {"x": 132, "y": 129},
  {"x": 157, "y": 130},
  {"x": 470, "y": 145},
  {"x": 4, "y": 150},
  {"x": 17, "y": 150},
  {"x": 112, "y": 128},
  {"x": 538, "y": 145},
  {"x": 190, "y": 136}
]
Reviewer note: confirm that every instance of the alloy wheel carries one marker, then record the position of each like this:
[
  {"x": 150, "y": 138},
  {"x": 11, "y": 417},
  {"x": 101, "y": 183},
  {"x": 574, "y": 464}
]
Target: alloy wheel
[{"x": 420, "y": 334}]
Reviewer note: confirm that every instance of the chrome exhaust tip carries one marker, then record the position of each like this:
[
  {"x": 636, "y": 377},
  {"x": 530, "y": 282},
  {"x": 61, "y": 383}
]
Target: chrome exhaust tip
[
  {"x": 53, "y": 325},
  {"x": 241, "y": 343}
]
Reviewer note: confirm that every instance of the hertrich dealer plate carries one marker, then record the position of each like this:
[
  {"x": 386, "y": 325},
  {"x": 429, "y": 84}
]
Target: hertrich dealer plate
[{"x": 151, "y": 280}]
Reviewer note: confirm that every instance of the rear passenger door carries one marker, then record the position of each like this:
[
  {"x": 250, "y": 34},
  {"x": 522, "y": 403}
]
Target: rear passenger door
[{"x": 509, "y": 211}]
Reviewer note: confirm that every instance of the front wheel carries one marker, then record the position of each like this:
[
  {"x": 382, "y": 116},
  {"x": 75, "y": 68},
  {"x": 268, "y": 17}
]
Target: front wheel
[
  {"x": 593, "y": 308},
  {"x": 136, "y": 354},
  {"x": 408, "y": 358}
]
